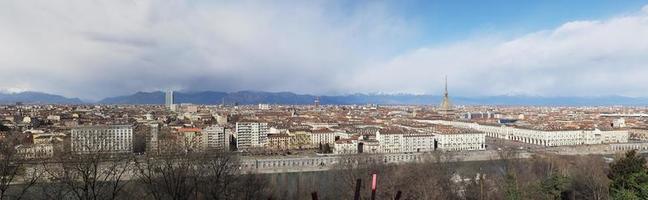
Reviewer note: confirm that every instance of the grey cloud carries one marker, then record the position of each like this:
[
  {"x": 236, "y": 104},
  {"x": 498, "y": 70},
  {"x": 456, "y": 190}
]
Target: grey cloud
[
  {"x": 130, "y": 41},
  {"x": 94, "y": 49},
  {"x": 103, "y": 48}
]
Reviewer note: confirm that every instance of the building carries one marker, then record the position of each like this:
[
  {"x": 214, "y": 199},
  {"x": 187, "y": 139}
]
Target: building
[
  {"x": 251, "y": 135},
  {"x": 345, "y": 146},
  {"x": 152, "y": 145},
  {"x": 35, "y": 151},
  {"x": 460, "y": 141},
  {"x": 400, "y": 140},
  {"x": 279, "y": 141},
  {"x": 317, "y": 102},
  {"x": 446, "y": 108},
  {"x": 102, "y": 139},
  {"x": 192, "y": 139},
  {"x": 478, "y": 115},
  {"x": 322, "y": 136},
  {"x": 390, "y": 140},
  {"x": 263, "y": 106},
  {"x": 545, "y": 137},
  {"x": 221, "y": 119},
  {"x": 191, "y": 108},
  {"x": 639, "y": 134},
  {"x": 619, "y": 123},
  {"x": 418, "y": 142},
  {"x": 54, "y": 117},
  {"x": 47, "y": 138},
  {"x": 217, "y": 138},
  {"x": 300, "y": 138},
  {"x": 169, "y": 99}
]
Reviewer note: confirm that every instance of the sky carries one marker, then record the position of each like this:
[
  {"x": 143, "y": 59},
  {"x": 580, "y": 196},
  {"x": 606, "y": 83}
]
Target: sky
[{"x": 102, "y": 48}]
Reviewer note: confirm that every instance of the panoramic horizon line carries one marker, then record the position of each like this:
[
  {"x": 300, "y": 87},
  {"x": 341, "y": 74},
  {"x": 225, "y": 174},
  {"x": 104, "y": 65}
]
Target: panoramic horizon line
[{"x": 325, "y": 95}]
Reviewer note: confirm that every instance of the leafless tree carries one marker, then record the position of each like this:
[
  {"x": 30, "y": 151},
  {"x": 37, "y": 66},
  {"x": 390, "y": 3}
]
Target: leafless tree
[
  {"x": 168, "y": 176},
  {"x": 96, "y": 173},
  {"x": 429, "y": 179},
  {"x": 588, "y": 178},
  {"x": 211, "y": 175},
  {"x": 219, "y": 173},
  {"x": 15, "y": 176},
  {"x": 251, "y": 186}
]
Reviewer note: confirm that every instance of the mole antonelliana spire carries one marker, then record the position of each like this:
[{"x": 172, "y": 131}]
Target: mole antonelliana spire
[{"x": 446, "y": 106}]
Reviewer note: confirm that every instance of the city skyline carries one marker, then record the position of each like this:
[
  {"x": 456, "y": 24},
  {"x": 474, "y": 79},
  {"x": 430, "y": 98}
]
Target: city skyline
[
  {"x": 325, "y": 47},
  {"x": 323, "y": 99}
]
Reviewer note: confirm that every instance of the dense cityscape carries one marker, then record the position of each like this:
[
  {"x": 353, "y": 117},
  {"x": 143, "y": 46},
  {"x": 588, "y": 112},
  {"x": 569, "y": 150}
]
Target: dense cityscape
[
  {"x": 323, "y": 99},
  {"x": 280, "y": 139}
]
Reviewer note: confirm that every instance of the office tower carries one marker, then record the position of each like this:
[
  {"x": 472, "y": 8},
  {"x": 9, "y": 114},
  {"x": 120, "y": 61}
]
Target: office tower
[{"x": 168, "y": 101}]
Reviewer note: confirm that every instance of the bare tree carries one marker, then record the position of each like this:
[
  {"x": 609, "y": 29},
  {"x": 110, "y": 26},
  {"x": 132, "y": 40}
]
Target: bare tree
[
  {"x": 219, "y": 173},
  {"x": 95, "y": 173},
  {"x": 168, "y": 177},
  {"x": 91, "y": 176},
  {"x": 251, "y": 186},
  {"x": 15, "y": 176},
  {"x": 590, "y": 182},
  {"x": 429, "y": 179}
]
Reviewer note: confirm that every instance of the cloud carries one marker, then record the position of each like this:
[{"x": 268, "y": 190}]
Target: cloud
[
  {"x": 579, "y": 58},
  {"x": 94, "y": 49}
]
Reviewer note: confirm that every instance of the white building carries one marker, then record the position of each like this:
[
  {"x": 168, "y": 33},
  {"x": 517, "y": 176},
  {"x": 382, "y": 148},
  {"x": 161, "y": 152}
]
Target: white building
[
  {"x": 461, "y": 141},
  {"x": 322, "y": 136},
  {"x": 264, "y": 106},
  {"x": 35, "y": 151},
  {"x": 619, "y": 123},
  {"x": 217, "y": 138},
  {"x": 102, "y": 139},
  {"x": 390, "y": 140},
  {"x": 345, "y": 146},
  {"x": 409, "y": 141},
  {"x": 542, "y": 137},
  {"x": 251, "y": 135},
  {"x": 418, "y": 142},
  {"x": 54, "y": 117}
]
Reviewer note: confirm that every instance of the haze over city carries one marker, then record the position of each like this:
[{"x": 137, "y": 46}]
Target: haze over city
[{"x": 98, "y": 49}]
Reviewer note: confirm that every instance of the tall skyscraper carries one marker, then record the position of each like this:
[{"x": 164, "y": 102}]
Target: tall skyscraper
[
  {"x": 317, "y": 102},
  {"x": 168, "y": 101},
  {"x": 446, "y": 106}
]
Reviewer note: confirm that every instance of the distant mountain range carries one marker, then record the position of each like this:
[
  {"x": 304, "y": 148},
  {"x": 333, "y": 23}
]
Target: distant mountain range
[
  {"x": 37, "y": 98},
  {"x": 256, "y": 97}
]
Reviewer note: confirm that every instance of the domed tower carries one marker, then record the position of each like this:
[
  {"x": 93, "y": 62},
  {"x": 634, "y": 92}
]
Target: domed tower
[{"x": 446, "y": 107}]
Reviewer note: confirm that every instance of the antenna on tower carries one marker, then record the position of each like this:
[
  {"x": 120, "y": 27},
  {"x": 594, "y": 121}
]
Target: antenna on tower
[
  {"x": 446, "y": 106},
  {"x": 446, "y": 85}
]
